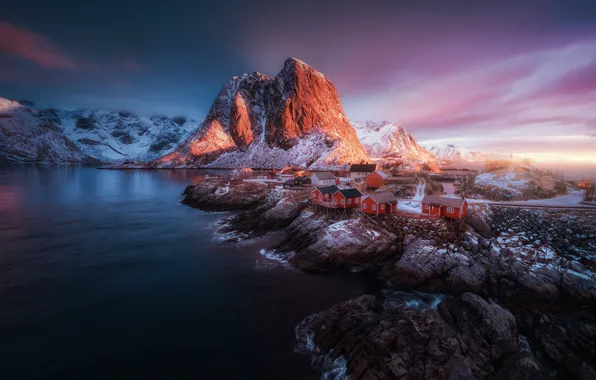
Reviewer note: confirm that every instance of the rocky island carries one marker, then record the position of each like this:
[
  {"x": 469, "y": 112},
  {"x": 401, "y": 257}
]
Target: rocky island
[{"x": 515, "y": 289}]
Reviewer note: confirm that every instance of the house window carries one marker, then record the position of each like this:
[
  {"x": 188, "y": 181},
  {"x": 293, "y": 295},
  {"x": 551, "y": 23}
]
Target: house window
[
  {"x": 343, "y": 201},
  {"x": 450, "y": 209},
  {"x": 374, "y": 207},
  {"x": 357, "y": 200},
  {"x": 364, "y": 206},
  {"x": 349, "y": 201},
  {"x": 383, "y": 207}
]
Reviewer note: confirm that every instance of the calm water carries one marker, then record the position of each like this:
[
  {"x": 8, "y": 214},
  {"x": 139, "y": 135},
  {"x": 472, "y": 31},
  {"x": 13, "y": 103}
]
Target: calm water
[{"x": 104, "y": 275}]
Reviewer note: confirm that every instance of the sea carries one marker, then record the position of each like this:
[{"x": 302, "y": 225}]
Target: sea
[{"x": 105, "y": 275}]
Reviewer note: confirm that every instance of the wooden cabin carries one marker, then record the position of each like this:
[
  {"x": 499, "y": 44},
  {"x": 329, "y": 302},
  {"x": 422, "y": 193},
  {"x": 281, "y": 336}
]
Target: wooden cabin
[
  {"x": 323, "y": 194},
  {"x": 268, "y": 176},
  {"x": 284, "y": 177},
  {"x": 302, "y": 181},
  {"x": 347, "y": 198},
  {"x": 376, "y": 179},
  {"x": 361, "y": 170},
  {"x": 289, "y": 184},
  {"x": 322, "y": 179},
  {"x": 454, "y": 208},
  {"x": 383, "y": 202},
  {"x": 296, "y": 182}
]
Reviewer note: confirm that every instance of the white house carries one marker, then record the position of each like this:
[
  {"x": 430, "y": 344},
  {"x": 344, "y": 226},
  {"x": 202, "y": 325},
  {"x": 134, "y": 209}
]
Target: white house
[{"x": 322, "y": 179}]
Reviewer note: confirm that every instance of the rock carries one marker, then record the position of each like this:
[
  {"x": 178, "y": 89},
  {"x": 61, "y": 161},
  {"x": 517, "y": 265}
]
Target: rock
[
  {"x": 263, "y": 122},
  {"x": 84, "y": 123},
  {"x": 219, "y": 195},
  {"x": 179, "y": 120},
  {"x": 466, "y": 338},
  {"x": 341, "y": 244},
  {"x": 568, "y": 339}
]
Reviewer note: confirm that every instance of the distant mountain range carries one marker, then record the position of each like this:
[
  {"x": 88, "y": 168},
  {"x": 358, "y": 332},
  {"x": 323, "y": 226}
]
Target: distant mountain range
[
  {"x": 50, "y": 136},
  {"x": 255, "y": 121},
  {"x": 386, "y": 142},
  {"x": 453, "y": 153}
]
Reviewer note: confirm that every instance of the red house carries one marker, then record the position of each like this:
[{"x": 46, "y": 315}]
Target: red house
[
  {"x": 376, "y": 179},
  {"x": 323, "y": 194},
  {"x": 379, "y": 203},
  {"x": 454, "y": 208},
  {"x": 348, "y": 198}
]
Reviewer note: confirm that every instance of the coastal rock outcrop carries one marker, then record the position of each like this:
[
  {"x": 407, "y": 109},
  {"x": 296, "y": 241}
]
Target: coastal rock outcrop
[
  {"x": 317, "y": 244},
  {"x": 219, "y": 195},
  {"x": 463, "y": 337}
]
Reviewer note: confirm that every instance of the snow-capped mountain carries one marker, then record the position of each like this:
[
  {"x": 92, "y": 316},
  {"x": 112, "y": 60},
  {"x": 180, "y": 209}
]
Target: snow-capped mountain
[
  {"x": 387, "y": 142},
  {"x": 27, "y": 138},
  {"x": 257, "y": 121},
  {"x": 107, "y": 136},
  {"x": 453, "y": 153},
  {"x": 115, "y": 136}
]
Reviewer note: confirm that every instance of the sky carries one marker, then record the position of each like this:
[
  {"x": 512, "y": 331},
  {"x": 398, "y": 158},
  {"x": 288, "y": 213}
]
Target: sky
[{"x": 499, "y": 77}]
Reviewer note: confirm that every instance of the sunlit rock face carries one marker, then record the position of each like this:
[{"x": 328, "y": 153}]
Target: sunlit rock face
[{"x": 265, "y": 122}]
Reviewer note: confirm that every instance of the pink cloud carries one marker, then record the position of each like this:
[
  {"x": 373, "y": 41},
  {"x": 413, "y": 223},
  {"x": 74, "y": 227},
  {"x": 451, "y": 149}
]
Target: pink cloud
[{"x": 20, "y": 42}]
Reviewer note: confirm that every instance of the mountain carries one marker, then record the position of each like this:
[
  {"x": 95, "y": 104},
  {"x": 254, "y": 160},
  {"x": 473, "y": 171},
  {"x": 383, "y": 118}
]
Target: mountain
[
  {"x": 257, "y": 121},
  {"x": 456, "y": 154},
  {"x": 27, "y": 138},
  {"x": 105, "y": 136},
  {"x": 387, "y": 142},
  {"x": 115, "y": 136}
]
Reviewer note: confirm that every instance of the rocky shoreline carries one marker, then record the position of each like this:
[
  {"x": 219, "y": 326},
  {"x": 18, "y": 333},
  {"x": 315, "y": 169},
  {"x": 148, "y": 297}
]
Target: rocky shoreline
[{"x": 536, "y": 265}]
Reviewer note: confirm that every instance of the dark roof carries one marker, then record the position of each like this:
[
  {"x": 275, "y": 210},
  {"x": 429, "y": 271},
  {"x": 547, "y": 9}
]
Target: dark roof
[
  {"x": 383, "y": 197},
  {"x": 324, "y": 175},
  {"x": 443, "y": 201},
  {"x": 363, "y": 168},
  {"x": 350, "y": 193},
  {"x": 328, "y": 189},
  {"x": 289, "y": 182}
]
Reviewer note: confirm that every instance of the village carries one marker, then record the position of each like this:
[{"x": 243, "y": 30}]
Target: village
[{"x": 365, "y": 190}]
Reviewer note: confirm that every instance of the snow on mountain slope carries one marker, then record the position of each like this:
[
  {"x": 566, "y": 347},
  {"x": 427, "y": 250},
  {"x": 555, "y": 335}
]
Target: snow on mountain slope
[
  {"x": 106, "y": 136},
  {"x": 257, "y": 121},
  {"x": 27, "y": 138},
  {"x": 387, "y": 142},
  {"x": 456, "y": 154},
  {"x": 114, "y": 136}
]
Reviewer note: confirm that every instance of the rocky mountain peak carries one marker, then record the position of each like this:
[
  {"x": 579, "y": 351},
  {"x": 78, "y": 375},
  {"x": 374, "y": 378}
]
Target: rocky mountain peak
[
  {"x": 277, "y": 118},
  {"x": 386, "y": 142}
]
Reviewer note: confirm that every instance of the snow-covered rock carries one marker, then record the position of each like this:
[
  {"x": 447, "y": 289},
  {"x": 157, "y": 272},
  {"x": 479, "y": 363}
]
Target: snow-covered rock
[
  {"x": 261, "y": 122},
  {"x": 387, "y": 142},
  {"x": 118, "y": 136},
  {"x": 27, "y": 138}
]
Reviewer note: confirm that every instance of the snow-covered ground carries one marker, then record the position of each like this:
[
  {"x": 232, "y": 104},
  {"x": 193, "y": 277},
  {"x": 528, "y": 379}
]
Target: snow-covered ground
[
  {"x": 572, "y": 199},
  {"x": 506, "y": 181}
]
